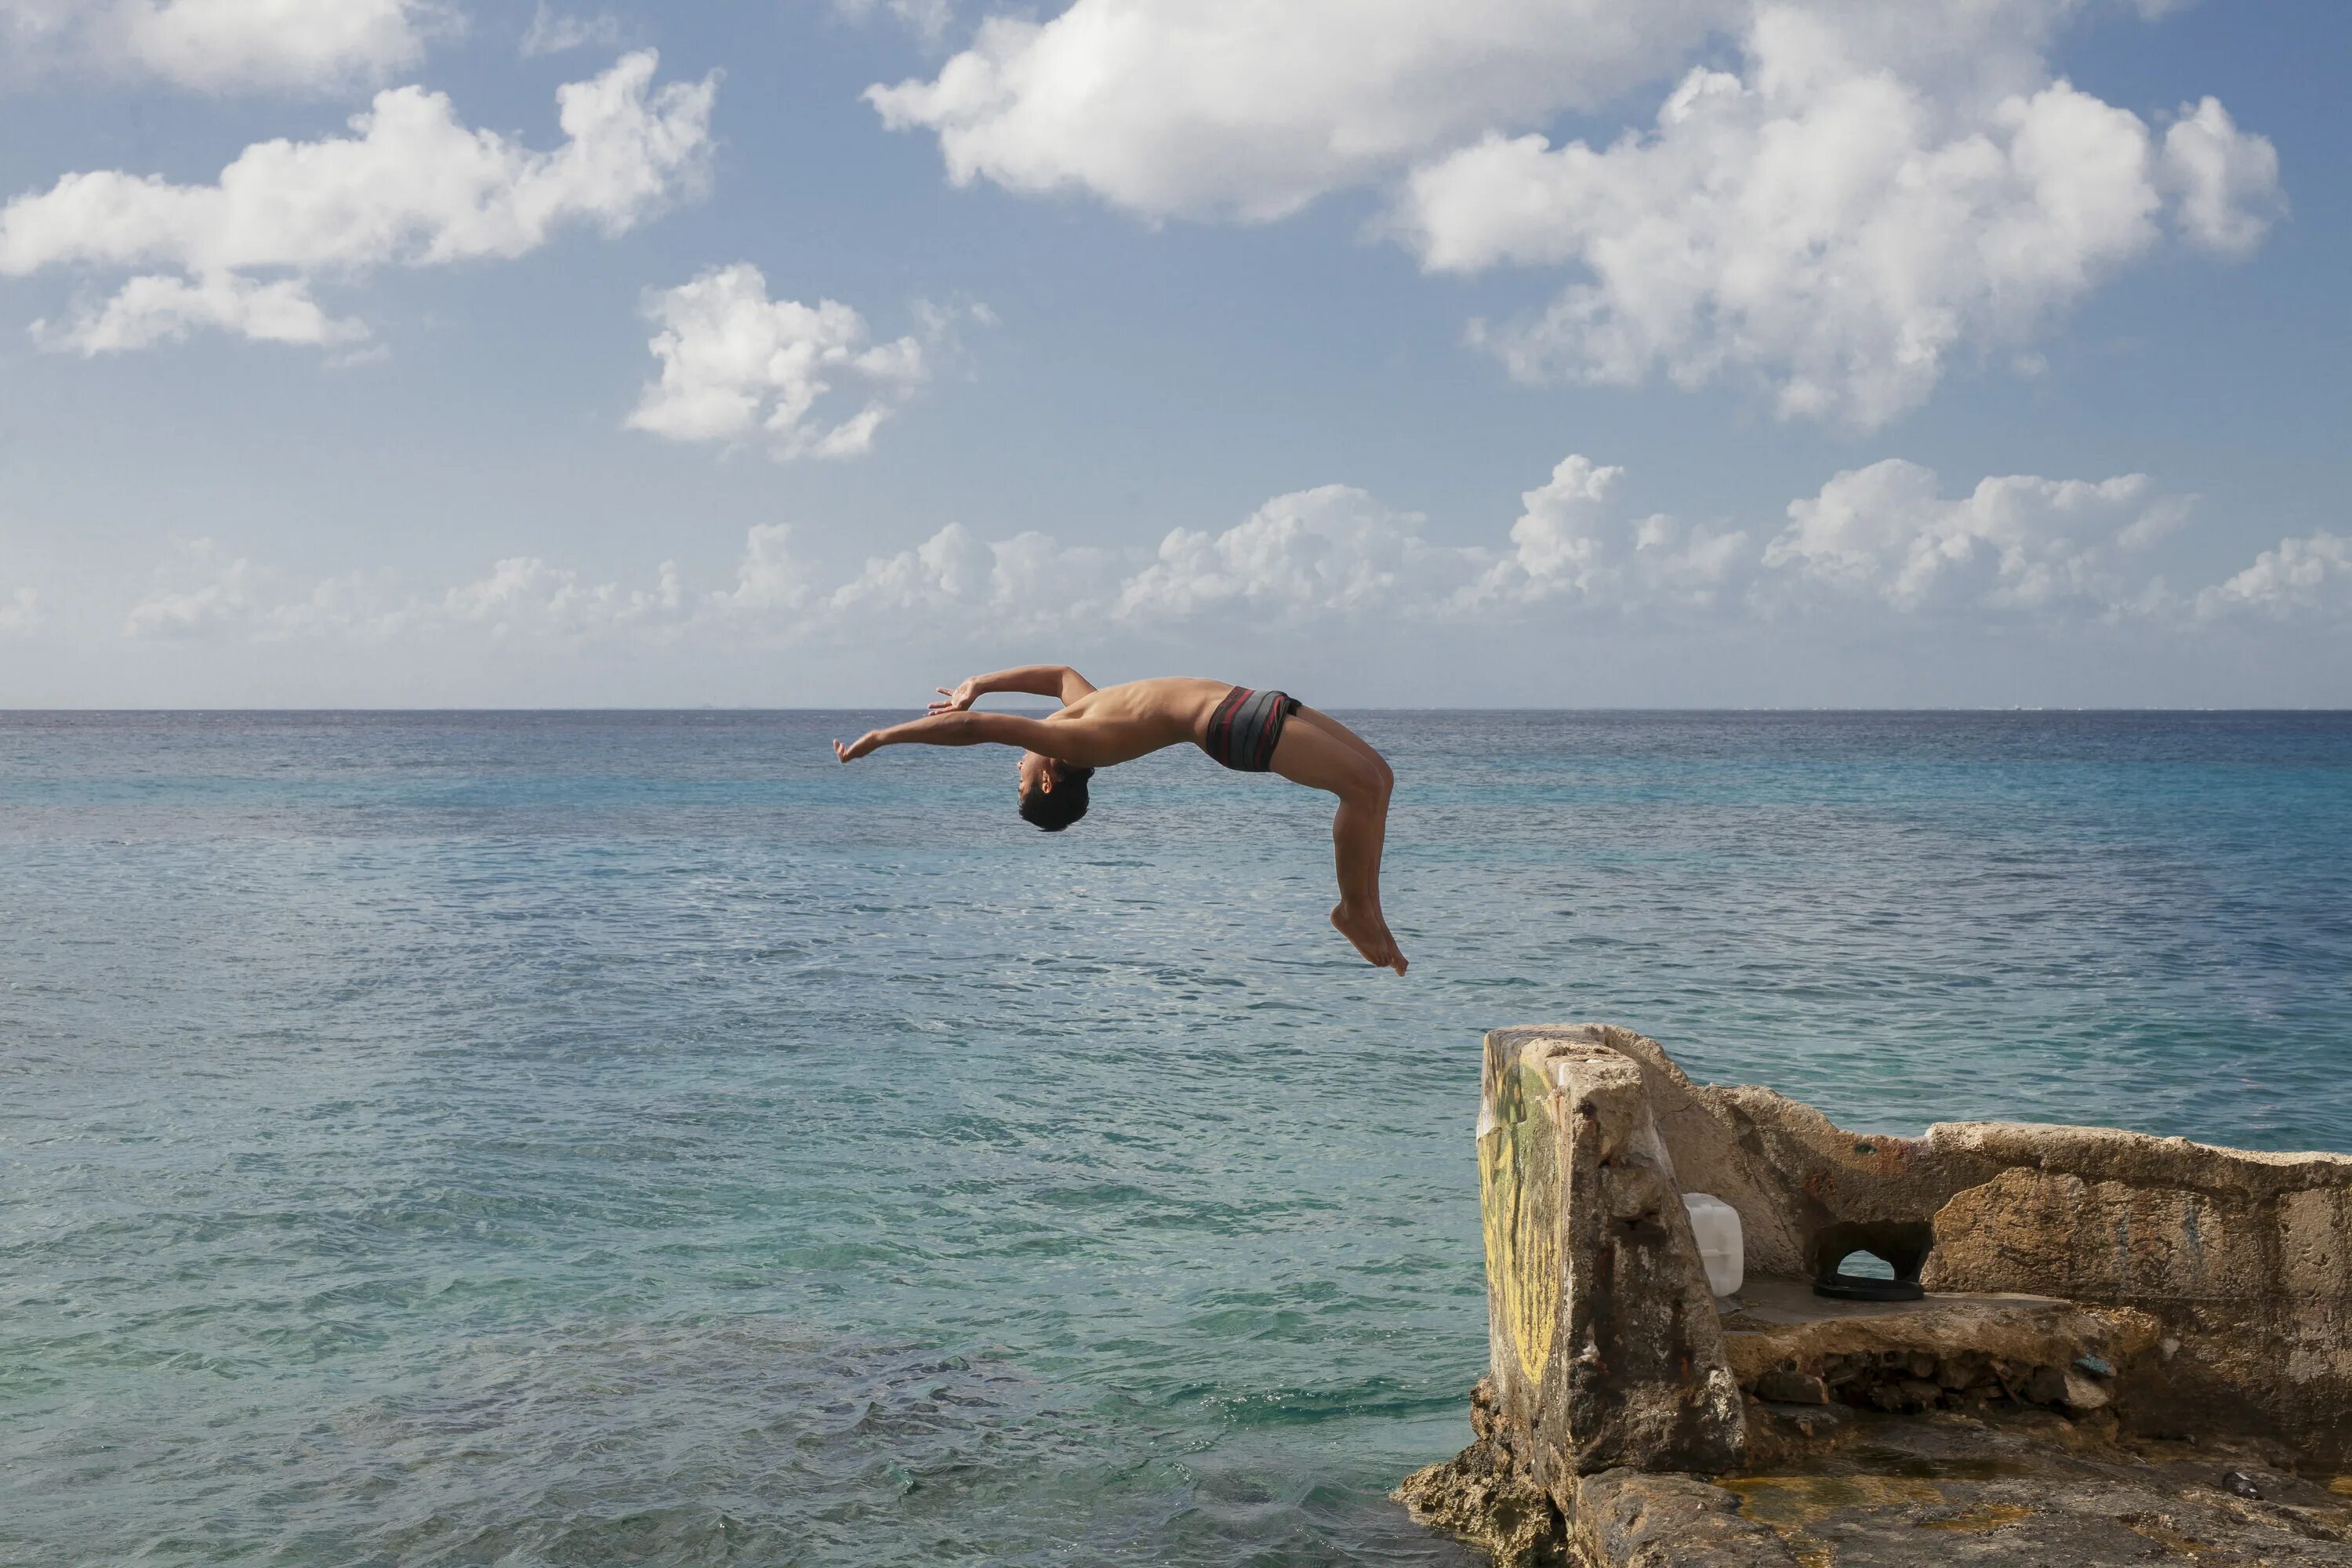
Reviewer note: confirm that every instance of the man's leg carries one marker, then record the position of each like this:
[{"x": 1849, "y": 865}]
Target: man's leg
[
  {"x": 1355, "y": 742},
  {"x": 1310, "y": 754}
]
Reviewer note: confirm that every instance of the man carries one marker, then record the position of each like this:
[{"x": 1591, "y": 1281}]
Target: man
[{"x": 1249, "y": 732}]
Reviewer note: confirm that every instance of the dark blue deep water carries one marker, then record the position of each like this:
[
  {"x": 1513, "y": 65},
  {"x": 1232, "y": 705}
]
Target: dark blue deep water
[{"x": 636, "y": 1139}]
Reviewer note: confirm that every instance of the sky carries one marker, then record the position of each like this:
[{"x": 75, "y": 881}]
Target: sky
[{"x": 1491, "y": 352}]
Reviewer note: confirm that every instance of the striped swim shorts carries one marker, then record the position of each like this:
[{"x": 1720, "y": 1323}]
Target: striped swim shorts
[{"x": 1246, "y": 726}]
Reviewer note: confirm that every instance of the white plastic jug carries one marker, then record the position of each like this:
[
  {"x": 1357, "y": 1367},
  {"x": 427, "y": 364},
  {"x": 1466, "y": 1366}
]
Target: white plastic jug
[{"x": 1715, "y": 1224}]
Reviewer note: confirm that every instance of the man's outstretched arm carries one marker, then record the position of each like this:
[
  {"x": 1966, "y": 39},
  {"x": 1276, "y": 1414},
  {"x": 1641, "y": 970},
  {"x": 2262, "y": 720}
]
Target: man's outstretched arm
[
  {"x": 1059, "y": 681},
  {"x": 961, "y": 729}
]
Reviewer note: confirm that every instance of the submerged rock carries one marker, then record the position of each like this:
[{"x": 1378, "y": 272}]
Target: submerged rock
[{"x": 1484, "y": 1495}]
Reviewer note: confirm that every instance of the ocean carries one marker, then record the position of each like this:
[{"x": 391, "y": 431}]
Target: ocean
[{"x": 634, "y": 1137}]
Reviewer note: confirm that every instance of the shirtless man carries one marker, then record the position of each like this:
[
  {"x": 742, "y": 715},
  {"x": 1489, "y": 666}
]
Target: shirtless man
[{"x": 1249, "y": 732}]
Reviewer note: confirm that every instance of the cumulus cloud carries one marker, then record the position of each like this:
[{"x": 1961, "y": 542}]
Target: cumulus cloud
[
  {"x": 1825, "y": 228},
  {"x": 2018, "y": 543},
  {"x": 769, "y": 577},
  {"x": 1238, "y": 109},
  {"x": 218, "y": 46},
  {"x": 1877, "y": 189},
  {"x": 2307, "y": 576},
  {"x": 411, "y": 186},
  {"x": 525, "y": 593},
  {"x": 1331, "y": 553},
  {"x": 1556, "y": 544},
  {"x": 948, "y": 568},
  {"x": 1333, "y": 549},
  {"x": 1883, "y": 542},
  {"x": 734, "y": 362},
  {"x": 2225, "y": 182}
]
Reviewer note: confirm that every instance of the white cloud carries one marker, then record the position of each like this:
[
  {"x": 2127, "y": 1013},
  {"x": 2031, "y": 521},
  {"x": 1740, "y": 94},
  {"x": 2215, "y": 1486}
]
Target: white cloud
[
  {"x": 1557, "y": 544},
  {"x": 1240, "y": 109},
  {"x": 163, "y": 309},
  {"x": 1569, "y": 542},
  {"x": 411, "y": 186},
  {"x": 2226, "y": 180},
  {"x": 1879, "y": 188},
  {"x": 1333, "y": 549},
  {"x": 734, "y": 360},
  {"x": 526, "y": 595},
  {"x": 204, "y": 595},
  {"x": 2016, "y": 544},
  {"x": 1332, "y": 554},
  {"x": 949, "y": 567},
  {"x": 1031, "y": 581},
  {"x": 770, "y": 576},
  {"x": 218, "y": 46},
  {"x": 1694, "y": 567},
  {"x": 1879, "y": 544},
  {"x": 1036, "y": 582},
  {"x": 2311, "y": 576},
  {"x": 552, "y": 32},
  {"x": 1823, "y": 227},
  {"x": 1213, "y": 109}
]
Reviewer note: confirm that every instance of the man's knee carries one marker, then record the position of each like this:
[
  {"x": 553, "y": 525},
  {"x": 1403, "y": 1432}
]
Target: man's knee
[{"x": 1370, "y": 782}]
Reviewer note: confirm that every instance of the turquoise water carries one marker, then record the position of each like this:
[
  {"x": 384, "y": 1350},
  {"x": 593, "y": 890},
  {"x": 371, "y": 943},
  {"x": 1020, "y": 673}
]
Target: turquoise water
[{"x": 574, "y": 1139}]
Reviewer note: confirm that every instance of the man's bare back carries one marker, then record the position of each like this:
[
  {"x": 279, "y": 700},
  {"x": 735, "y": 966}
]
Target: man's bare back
[{"x": 1251, "y": 731}]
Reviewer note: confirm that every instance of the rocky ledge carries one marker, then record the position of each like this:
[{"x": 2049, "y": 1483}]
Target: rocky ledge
[
  {"x": 1832, "y": 1485},
  {"x": 2122, "y": 1349}
]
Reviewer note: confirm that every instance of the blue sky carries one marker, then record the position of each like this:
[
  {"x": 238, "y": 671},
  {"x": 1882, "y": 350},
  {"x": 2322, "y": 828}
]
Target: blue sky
[{"x": 1523, "y": 351}]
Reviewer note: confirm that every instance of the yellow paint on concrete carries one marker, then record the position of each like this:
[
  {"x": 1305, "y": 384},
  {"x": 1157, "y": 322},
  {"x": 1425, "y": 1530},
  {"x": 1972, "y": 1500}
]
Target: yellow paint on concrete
[{"x": 1518, "y": 1198}]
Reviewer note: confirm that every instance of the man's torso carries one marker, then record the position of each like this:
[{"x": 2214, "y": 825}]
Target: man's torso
[{"x": 1128, "y": 720}]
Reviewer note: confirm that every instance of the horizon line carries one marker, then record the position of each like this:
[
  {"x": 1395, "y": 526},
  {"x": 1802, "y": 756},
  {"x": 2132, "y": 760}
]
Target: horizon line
[{"x": 389, "y": 710}]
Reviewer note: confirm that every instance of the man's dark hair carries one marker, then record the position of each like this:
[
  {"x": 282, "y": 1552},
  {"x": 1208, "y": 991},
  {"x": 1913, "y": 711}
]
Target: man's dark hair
[{"x": 1056, "y": 809}]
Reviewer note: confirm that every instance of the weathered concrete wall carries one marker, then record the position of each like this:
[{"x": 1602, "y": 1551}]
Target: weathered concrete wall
[
  {"x": 1607, "y": 1348},
  {"x": 2243, "y": 1260}
]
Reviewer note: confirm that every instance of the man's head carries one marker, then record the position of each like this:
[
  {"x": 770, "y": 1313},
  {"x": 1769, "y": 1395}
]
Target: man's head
[{"x": 1053, "y": 794}]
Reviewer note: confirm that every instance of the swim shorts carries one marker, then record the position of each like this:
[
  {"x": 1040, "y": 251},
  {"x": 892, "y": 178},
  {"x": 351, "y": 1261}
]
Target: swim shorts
[{"x": 1243, "y": 730}]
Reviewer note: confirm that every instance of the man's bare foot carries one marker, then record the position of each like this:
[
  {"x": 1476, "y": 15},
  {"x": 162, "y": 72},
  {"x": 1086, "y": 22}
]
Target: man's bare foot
[{"x": 1369, "y": 933}]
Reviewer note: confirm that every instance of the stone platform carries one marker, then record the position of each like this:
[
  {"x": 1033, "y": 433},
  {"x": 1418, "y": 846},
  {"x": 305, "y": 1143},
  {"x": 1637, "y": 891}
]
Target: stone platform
[
  {"x": 2132, "y": 1349},
  {"x": 1950, "y": 1349}
]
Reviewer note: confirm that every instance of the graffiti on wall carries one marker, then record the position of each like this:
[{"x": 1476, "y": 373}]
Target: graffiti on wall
[{"x": 1518, "y": 1199}]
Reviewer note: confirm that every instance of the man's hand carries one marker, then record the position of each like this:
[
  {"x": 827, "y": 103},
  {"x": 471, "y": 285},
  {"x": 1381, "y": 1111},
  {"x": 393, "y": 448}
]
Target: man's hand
[
  {"x": 859, "y": 747},
  {"x": 962, "y": 698}
]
